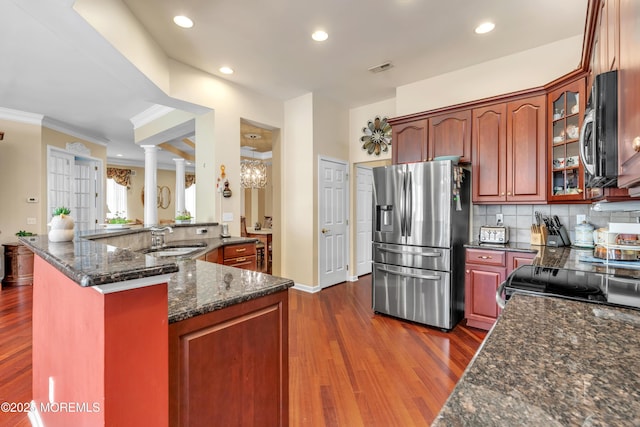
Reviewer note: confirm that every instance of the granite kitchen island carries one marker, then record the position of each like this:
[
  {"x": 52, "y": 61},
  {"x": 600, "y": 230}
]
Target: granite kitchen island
[
  {"x": 552, "y": 362},
  {"x": 127, "y": 333}
]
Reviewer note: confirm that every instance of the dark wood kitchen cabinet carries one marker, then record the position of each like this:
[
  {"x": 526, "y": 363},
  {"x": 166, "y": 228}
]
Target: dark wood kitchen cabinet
[
  {"x": 629, "y": 96},
  {"x": 230, "y": 366},
  {"x": 242, "y": 255},
  {"x": 509, "y": 152},
  {"x": 485, "y": 270},
  {"x": 566, "y": 171},
  {"x": 423, "y": 139},
  {"x": 450, "y": 135},
  {"x": 409, "y": 141}
]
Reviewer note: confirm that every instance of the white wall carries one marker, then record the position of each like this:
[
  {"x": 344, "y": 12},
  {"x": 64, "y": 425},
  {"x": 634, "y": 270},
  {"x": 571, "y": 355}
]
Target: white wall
[
  {"x": 298, "y": 176},
  {"x": 527, "y": 69}
]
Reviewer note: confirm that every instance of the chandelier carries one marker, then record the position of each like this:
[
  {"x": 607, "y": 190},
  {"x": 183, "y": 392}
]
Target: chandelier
[{"x": 253, "y": 174}]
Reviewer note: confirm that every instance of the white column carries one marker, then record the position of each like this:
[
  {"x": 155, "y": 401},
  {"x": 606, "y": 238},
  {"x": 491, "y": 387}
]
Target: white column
[
  {"x": 150, "y": 185},
  {"x": 180, "y": 186}
]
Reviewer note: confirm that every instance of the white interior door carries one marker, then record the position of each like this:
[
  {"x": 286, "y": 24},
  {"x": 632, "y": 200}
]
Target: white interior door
[
  {"x": 75, "y": 182},
  {"x": 59, "y": 181},
  {"x": 333, "y": 222},
  {"x": 87, "y": 189},
  {"x": 364, "y": 219}
]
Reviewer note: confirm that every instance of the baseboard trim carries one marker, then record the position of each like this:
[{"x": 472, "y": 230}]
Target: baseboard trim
[{"x": 307, "y": 288}]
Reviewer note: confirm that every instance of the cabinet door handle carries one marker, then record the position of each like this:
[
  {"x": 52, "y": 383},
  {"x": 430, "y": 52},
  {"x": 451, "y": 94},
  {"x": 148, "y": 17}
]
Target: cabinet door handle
[
  {"x": 502, "y": 194},
  {"x": 241, "y": 259},
  {"x": 635, "y": 144},
  {"x": 508, "y": 193},
  {"x": 485, "y": 257},
  {"x": 241, "y": 250}
]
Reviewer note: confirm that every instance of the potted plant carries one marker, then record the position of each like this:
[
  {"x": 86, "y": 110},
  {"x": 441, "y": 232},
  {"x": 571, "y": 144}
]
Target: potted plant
[
  {"x": 61, "y": 225},
  {"x": 117, "y": 221},
  {"x": 183, "y": 217}
]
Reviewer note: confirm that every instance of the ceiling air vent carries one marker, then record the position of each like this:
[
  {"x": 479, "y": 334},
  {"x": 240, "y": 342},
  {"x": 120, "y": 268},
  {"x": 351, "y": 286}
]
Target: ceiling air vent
[{"x": 382, "y": 67}]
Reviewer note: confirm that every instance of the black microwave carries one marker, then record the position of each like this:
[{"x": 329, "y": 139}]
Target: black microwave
[{"x": 599, "y": 133}]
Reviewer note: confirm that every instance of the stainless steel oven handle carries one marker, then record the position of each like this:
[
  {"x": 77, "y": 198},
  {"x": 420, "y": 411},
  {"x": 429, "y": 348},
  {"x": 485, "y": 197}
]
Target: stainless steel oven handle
[
  {"x": 501, "y": 302},
  {"x": 415, "y": 276},
  {"x": 425, "y": 254}
]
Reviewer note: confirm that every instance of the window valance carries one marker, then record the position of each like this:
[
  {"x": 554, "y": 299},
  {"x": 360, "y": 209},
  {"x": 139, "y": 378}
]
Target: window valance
[
  {"x": 189, "y": 180},
  {"x": 120, "y": 176}
]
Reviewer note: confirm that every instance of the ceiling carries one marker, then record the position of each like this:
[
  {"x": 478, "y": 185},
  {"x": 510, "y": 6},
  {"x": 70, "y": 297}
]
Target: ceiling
[{"x": 55, "y": 65}]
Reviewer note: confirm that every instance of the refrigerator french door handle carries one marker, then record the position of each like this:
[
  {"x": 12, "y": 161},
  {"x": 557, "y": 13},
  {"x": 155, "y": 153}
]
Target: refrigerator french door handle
[
  {"x": 415, "y": 276},
  {"x": 409, "y": 202},
  {"x": 401, "y": 252},
  {"x": 403, "y": 194}
]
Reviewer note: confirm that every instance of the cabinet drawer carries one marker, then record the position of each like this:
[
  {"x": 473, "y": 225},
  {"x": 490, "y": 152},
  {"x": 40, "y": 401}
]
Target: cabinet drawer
[
  {"x": 242, "y": 250},
  {"x": 246, "y": 262},
  {"x": 486, "y": 257}
]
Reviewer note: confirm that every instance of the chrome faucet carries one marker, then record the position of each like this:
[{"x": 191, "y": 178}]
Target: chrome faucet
[{"x": 157, "y": 236}]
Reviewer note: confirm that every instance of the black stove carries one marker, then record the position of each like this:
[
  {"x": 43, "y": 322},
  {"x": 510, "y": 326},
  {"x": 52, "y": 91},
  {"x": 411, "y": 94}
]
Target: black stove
[{"x": 573, "y": 284}]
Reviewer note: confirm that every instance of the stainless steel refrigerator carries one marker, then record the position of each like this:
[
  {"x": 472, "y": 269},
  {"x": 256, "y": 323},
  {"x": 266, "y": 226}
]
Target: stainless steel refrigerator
[{"x": 421, "y": 222}]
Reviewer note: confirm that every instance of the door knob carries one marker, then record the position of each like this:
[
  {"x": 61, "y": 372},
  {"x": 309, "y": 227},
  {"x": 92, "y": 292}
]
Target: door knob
[{"x": 324, "y": 230}]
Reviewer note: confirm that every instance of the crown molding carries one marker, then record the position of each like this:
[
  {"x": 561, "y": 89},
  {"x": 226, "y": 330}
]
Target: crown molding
[
  {"x": 150, "y": 114},
  {"x": 119, "y": 161},
  {"x": 255, "y": 155},
  {"x": 21, "y": 116},
  {"x": 73, "y": 131}
]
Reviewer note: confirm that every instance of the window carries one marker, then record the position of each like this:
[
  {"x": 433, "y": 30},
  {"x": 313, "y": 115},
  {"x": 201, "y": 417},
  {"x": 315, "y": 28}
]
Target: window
[
  {"x": 190, "y": 200},
  {"x": 116, "y": 199}
]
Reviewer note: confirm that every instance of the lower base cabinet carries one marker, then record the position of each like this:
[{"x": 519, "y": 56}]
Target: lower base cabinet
[
  {"x": 18, "y": 265},
  {"x": 230, "y": 367},
  {"x": 241, "y": 255},
  {"x": 485, "y": 270}
]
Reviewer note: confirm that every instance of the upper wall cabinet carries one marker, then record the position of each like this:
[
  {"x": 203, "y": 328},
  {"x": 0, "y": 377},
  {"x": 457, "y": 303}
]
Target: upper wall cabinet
[
  {"x": 565, "y": 111},
  {"x": 424, "y": 139},
  {"x": 628, "y": 95},
  {"x": 508, "y": 152},
  {"x": 409, "y": 141},
  {"x": 450, "y": 135}
]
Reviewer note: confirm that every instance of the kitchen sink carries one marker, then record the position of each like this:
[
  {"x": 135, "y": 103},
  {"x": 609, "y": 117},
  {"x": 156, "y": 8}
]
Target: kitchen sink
[{"x": 175, "y": 250}]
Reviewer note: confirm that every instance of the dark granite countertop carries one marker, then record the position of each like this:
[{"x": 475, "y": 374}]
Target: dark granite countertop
[
  {"x": 552, "y": 362},
  {"x": 195, "y": 287},
  {"x": 90, "y": 263},
  {"x": 567, "y": 257},
  {"x": 200, "y": 287}
]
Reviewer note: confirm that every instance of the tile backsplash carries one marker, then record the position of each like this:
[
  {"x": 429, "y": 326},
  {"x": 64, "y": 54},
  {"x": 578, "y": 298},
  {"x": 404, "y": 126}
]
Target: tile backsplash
[{"x": 520, "y": 217}]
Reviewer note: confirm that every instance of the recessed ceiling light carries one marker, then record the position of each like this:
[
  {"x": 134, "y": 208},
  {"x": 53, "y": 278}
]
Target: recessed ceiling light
[
  {"x": 320, "y": 36},
  {"x": 226, "y": 70},
  {"x": 485, "y": 27},
  {"x": 119, "y": 155},
  {"x": 183, "y": 21}
]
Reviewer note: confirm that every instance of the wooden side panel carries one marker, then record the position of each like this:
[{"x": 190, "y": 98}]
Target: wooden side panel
[
  {"x": 629, "y": 96},
  {"x": 230, "y": 367}
]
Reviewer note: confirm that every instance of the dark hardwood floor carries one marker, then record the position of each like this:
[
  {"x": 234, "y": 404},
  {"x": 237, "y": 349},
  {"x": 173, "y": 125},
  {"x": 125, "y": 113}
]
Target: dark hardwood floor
[
  {"x": 348, "y": 367},
  {"x": 15, "y": 352}
]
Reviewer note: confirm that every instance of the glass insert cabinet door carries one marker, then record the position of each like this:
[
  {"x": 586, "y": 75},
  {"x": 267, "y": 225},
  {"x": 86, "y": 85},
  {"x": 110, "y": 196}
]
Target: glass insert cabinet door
[{"x": 566, "y": 105}]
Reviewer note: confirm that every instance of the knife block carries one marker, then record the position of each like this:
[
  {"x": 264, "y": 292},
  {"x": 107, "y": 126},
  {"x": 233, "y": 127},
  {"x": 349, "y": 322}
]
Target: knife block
[
  {"x": 539, "y": 235},
  {"x": 561, "y": 239}
]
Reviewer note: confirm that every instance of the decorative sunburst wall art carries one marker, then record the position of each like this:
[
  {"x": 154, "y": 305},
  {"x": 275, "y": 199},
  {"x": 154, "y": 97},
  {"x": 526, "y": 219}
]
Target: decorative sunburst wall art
[{"x": 377, "y": 136}]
